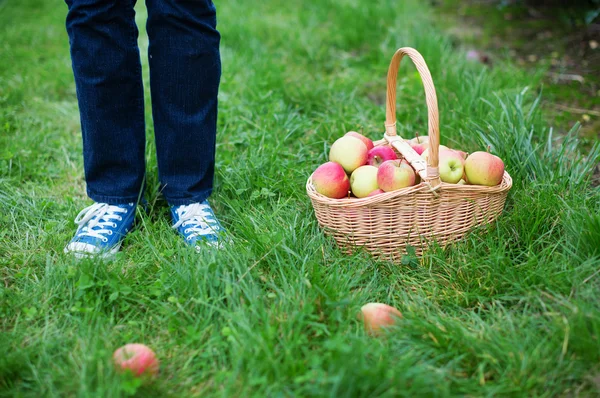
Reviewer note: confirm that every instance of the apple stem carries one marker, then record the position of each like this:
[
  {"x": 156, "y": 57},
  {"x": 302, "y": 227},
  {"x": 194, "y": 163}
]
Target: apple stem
[{"x": 489, "y": 148}]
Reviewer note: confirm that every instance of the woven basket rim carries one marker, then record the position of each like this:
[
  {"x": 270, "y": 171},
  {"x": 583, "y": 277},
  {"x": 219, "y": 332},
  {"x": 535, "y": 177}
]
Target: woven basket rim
[{"x": 504, "y": 186}]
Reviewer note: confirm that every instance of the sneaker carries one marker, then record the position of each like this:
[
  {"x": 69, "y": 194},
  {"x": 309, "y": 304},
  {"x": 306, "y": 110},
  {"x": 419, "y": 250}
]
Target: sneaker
[
  {"x": 101, "y": 229},
  {"x": 197, "y": 223}
]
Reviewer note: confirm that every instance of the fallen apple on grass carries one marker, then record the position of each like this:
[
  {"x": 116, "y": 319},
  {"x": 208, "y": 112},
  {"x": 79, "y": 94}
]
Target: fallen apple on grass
[
  {"x": 377, "y": 316},
  {"x": 330, "y": 179},
  {"x": 395, "y": 174},
  {"x": 380, "y": 154},
  {"x": 139, "y": 359},
  {"x": 368, "y": 143},
  {"x": 350, "y": 152},
  {"x": 451, "y": 166},
  {"x": 483, "y": 168},
  {"x": 363, "y": 181}
]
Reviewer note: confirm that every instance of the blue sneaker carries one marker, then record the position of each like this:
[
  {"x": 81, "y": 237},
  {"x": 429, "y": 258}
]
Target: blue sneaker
[
  {"x": 101, "y": 229},
  {"x": 197, "y": 223}
]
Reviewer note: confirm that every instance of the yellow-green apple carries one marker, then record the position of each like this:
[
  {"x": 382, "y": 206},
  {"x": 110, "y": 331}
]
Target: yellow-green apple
[
  {"x": 376, "y": 192},
  {"x": 395, "y": 174},
  {"x": 451, "y": 166},
  {"x": 462, "y": 182},
  {"x": 380, "y": 154},
  {"x": 368, "y": 143},
  {"x": 136, "y": 358},
  {"x": 425, "y": 154},
  {"x": 363, "y": 181},
  {"x": 483, "y": 168},
  {"x": 330, "y": 179},
  {"x": 419, "y": 143},
  {"x": 349, "y": 152},
  {"x": 376, "y": 316}
]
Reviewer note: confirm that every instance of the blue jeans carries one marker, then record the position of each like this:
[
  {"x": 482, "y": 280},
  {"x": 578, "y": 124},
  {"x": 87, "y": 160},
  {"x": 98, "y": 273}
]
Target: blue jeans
[{"x": 185, "y": 71}]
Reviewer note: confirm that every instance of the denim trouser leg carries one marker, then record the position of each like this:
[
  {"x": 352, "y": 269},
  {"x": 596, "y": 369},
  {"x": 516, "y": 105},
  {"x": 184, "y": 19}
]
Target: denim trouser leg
[
  {"x": 185, "y": 71},
  {"x": 108, "y": 78}
]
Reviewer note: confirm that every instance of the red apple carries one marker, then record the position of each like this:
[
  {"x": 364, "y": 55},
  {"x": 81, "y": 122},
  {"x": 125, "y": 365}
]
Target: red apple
[
  {"x": 380, "y": 154},
  {"x": 376, "y": 192},
  {"x": 420, "y": 148},
  {"x": 137, "y": 358},
  {"x": 483, "y": 168},
  {"x": 419, "y": 143},
  {"x": 368, "y": 143},
  {"x": 349, "y": 152},
  {"x": 395, "y": 174},
  {"x": 330, "y": 179},
  {"x": 462, "y": 154},
  {"x": 451, "y": 166},
  {"x": 420, "y": 139},
  {"x": 377, "y": 316},
  {"x": 363, "y": 181}
]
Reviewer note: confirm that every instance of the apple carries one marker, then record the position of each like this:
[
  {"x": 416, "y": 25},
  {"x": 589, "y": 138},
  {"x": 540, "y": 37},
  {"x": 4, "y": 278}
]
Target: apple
[
  {"x": 420, "y": 139},
  {"x": 395, "y": 174},
  {"x": 425, "y": 154},
  {"x": 380, "y": 154},
  {"x": 483, "y": 168},
  {"x": 452, "y": 166},
  {"x": 419, "y": 143},
  {"x": 363, "y": 181},
  {"x": 349, "y": 152},
  {"x": 137, "y": 358},
  {"x": 330, "y": 179},
  {"x": 419, "y": 148},
  {"x": 462, "y": 154},
  {"x": 376, "y": 316},
  {"x": 462, "y": 182},
  {"x": 368, "y": 143},
  {"x": 376, "y": 192}
]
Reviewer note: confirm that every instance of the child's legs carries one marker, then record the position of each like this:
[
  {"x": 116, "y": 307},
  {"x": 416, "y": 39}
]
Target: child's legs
[
  {"x": 107, "y": 70},
  {"x": 185, "y": 70}
]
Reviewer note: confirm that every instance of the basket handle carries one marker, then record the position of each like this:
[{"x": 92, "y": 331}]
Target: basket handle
[{"x": 432, "y": 174}]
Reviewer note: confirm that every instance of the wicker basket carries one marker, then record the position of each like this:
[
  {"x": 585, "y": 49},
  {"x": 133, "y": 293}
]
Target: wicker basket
[{"x": 432, "y": 211}]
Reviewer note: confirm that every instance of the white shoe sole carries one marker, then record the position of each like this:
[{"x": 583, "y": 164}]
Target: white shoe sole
[{"x": 79, "y": 254}]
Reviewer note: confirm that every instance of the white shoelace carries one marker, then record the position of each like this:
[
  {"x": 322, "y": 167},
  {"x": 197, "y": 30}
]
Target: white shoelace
[
  {"x": 199, "y": 215},
  {"x": 100, "y": 215}
]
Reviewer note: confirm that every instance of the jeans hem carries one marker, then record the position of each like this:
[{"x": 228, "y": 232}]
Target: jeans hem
[
  {"x": 188, "y": 201},
  {"x": 114, "y": 200}
]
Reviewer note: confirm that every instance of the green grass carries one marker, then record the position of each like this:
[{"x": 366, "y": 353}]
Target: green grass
[{"x": 512, "y": 310}]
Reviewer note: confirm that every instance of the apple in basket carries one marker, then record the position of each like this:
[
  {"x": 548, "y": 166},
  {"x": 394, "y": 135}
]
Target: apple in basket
[
  {"x": 376, "y": 192},
  {"x": 462, "y": 154},
  {"x": 380, "y": 154},
  {"x": 425, "y": 154},
  {"x": 350, "y": 152},
  {"x": 365, "y": 140},
  {"x": 363, "y": 181},
  {"x": 483, "y": 168},
  {"x": 330, "y": 179},
  {"x": 452, "y": 166},
  {"x": 395, "y": 174},
  {"x": 419, "y": 143}
]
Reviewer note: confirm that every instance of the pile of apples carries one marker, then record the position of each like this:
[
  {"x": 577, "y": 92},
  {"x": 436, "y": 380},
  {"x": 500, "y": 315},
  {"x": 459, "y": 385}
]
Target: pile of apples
[{"x": 375, "y": 170}]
